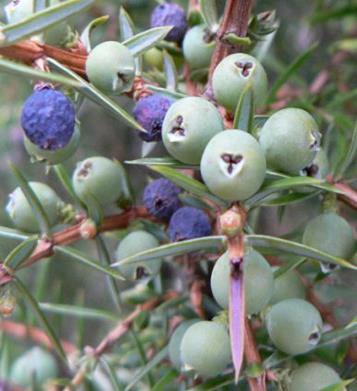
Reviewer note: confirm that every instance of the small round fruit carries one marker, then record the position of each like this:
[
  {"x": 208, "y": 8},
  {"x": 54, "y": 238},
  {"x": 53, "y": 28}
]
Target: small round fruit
[
  {"x": 294, "y": 326},
  {"x": 331, "y": 234},
  {"x": 111, "y": 67},
  {"x": 258, "y": 281},
  {"x": 205, "y": 348},
  {"x": 53, "y": 157},
  {"x": 154, "y": 58},
  {"x": 132, "y": 244},
  {"x": 170, "y": 14},
  {"x": 100, "y": 178},
  {"x": 287, "y": 286},
  {"x": 313, "y": 376},
  {"x": 188, "y": 126},
  {"x": 175, "y": 342},
  {"x": 290, "y": 139},
  {"x": 198, "y": 46},
  {"x": 319, "y": 168},
  {"x": 48, "y": 119},
  {"x": 233, "y": 165},
  {"x": 21, "y": 212},
  {"x": 232, "y": 75},
  {"x": 35, "y": 364}
]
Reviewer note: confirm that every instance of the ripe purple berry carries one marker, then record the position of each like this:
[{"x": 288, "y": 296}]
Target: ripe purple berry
[
  {"x": 48, "y": 119},
  {"x": 188, "y": 223},
  {"x": 161, "y": 198},
  {"x": 150, "y": 113},
  {"x": 170, "y": 14}
]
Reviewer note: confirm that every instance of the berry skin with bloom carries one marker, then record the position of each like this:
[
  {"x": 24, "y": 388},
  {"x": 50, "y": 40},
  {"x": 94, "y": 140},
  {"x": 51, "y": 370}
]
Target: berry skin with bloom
[
  {"x": 287, "y": 286},
  {"x": 150, "y": 112},
  {"x": 161, "y": 198},
  {"x": 188, "y": 223},
  {"x": 170, "y": 14},
  {"x": 48, "y": 119}
]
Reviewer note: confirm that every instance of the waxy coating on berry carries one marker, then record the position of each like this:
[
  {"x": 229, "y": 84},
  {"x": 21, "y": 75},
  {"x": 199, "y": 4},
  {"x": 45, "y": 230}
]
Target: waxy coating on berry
[
  {"x": 287, "y": 286},
  {"x": 188, "y": 126},
  {"x": 132, "y": 244},
  {"x": 290, "y": 139},
  {"x": 150, "y": 112},
  {"x": 189, "y": 223},
  {"x": 161, "y": 198},
  {"x": 48, "y": 119},
  {"x": 294, "y": 326},
  {"x": 233, "y": 165},
  {"x": 231, "y": 77},
  {"x": 170, "y": 14}
]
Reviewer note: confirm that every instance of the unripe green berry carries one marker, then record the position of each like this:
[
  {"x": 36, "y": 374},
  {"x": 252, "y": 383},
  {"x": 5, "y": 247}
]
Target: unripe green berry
[
  {"x": 205, "y": 348},
  {"x": 22, "y": 214},
  {"x": 154, "y": 58},
  {"x": 188, "y": 126},
  {"x": 313, "y": 376},
  {"x": 111, "y": 67},
  {"x": 132, "y": 244},
  {"x": 34, "y": 364},
  {"x": 233, "y": 165},
  {"x": 331, "y": 234},
  {"x": 319, "y": 167},
  {"x": 175, "y": 342},
  {"x": 198, "y": 46},
  {"x": 231, "y": 77},
  {"x": 57, "y": 156},
  {"x": 100, "y": 178},
  {"x": 287, "y": 286},
  {"x": 290, "y": 139},
  {"x": 294, "y": 326},
  {"x": 258, "y": 281}
]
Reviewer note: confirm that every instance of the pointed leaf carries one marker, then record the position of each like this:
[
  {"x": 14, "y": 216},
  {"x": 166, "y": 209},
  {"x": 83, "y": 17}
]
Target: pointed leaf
[
  {"x": 93, "y": 207},
  {"x": 64, "y": 178},
  {"x": 161, "y": 161},
  {"x": 165, "y": 380},
  {"x": 174, "y": 249},
  {"x": 270, "y": 242},
  {"x": 349, "y": 157},
  {"x": 42, "y": 20},
  {"x": 288, "y": 267},
  {"x": 216, "y": 384},
  {"x": 290, "y": 198},
  {"x": 244, "y": 114},
  {"x": 126, "y": 25},
  {"x": 14, "y": 234},
  {"x": 166, "y": 92},
  {"x": 209, "y": 12},
  {"x": 86, "y": 34},
  {"x": 170, "y": 72},
  {"x": 145, "y": 40},
  {"x": 112, "y": 374},
  {"x": 21, "y": 252}
]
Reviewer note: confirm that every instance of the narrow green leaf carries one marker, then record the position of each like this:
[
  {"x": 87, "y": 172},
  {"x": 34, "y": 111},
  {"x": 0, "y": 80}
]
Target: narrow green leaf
[
  {"x": 64, "y": 178},
  {"x": 40, "y": 21},
  {"x": 165, "y": 380},
  {"x": 10, "y": 233},
  {"x": 21, "y": 252},
  {"x": 244, "y": 114},
  {"x": 166, "y": 92},
  {"x": 290, "y": 70},
  {"x": 77, "y": 311},
  {"x": 86, "y": 34},
  {"x": 334, "y": 13},
  {"x": 161, "y": 161},
  {"x": 126, "y": 25},
  {"x": 288, "y": 267},
  {"x": 25, "y": 293},
  {"x": 209, "y": 13},
  {"x": 83, "y": 258},
  {"x": 170, "y": 72},
  {"x": 217, "y": 383},
  {"x": 145, "y": 40},
  {"x": 270, "y": 242},
  {"x": 341, "y": 386},
  {"x": 235, "y": 39},
  {"x": 93, "y": 207},
  {"x": 290, "y": 198},
  {"x": 92, "y": 93},
  {"x": 189, "y": 184},
  {"x": 32, "y": 199},
  {"x": 112, "y": 374},
  {"x": 174, "y": 249},
  {"x": 349, "y": 157}
]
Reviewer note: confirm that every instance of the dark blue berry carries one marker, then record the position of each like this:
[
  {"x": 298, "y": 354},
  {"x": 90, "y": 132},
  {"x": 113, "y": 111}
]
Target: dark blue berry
[
  {"x": 170, "y": 14},
  {"x": 161, "y": 198},
  {"x": 48, "y": 119},
  {"x": 188, "y": 223},
  {"x": 150, "y": 113}
]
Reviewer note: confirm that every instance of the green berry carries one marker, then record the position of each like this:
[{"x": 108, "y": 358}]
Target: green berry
[
  {"x": 132, "y": 244},
  {"x": 100, "y": 178},
  {"x": 290, "y": 139},
  {"x": 258, "y": 281},
  {"x": 154, "y": 58},
  {"x": 231, "y": 77},
  {"x": 57, "y": 156},
  {"x": 198, "y": 46},
  {"x": 175, "y": 342},
  {"x": 294, "y": 326},
  {"x": 22, "y": 214},
  {"x": 188, "y": 126},
  {"x": 331, "y": 234},
  {"x": 287, "y": 286},
  {"x": 111, "y": 67},
  {"x": 205, "y": 348},
  {"x": 313, "y": 376},
  {"x": 319, "y": 167},
  {"x": 35, "y": 364},
  {"x": 233, "y": 165}
]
